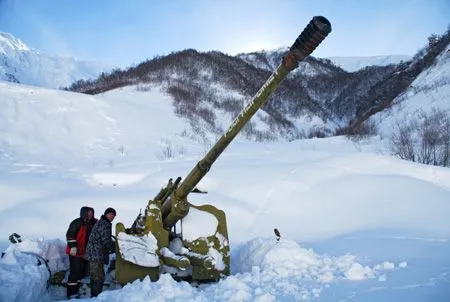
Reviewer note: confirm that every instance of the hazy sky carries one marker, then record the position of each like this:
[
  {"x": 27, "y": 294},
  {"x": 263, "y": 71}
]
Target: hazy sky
[{"x": 124, "y": 32}]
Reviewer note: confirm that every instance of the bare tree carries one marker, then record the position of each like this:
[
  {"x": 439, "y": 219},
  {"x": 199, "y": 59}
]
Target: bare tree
[
  {"x": 402, "y": 141},
  {"x": 424, "y": 139}
]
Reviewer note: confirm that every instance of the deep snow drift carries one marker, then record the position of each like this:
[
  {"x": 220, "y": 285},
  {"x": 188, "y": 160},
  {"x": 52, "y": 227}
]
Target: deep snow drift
[{"x": 266, "y": 270}]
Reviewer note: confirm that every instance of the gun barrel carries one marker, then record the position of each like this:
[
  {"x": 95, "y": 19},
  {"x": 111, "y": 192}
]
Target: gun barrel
[{"x": 314, "y": 33}]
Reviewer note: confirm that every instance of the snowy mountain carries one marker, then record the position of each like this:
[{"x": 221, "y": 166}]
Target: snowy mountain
[
  {"x": 352, "y": 64},
  {"x": 203, "y": 117},
  {"x": 317, "y": 99},
  {"x": 209, "y": 85},
  {"x": 22, "y": 64},
  {"x": 269, "y": 59}
]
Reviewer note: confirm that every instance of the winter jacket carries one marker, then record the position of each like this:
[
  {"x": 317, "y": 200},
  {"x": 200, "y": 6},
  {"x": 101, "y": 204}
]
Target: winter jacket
[
  {"x": 100, "y": 243},
  {"x": 78, "y": 232}
]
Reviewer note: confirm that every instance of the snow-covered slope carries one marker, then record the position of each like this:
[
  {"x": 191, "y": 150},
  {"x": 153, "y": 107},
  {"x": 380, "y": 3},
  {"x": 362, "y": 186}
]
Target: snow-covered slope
[
  {"x": 20, "y": 63},
  {"x": 430, "y": 90},
  {"x": 42, "y": 124},
  {"x": 352, "y": 221},
  {"x": 37, "y": 122},
  {"x": 352, "y": 64}
]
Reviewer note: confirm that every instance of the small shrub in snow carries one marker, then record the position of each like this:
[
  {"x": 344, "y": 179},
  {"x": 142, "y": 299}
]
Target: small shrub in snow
[{"x": 167, "y": 151}]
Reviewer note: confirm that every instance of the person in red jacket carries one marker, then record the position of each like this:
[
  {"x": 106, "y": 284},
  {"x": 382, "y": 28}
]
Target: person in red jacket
[{"x": 77, "y": 237}]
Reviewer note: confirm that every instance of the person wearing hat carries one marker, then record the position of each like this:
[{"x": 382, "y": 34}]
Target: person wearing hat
[{"x": 99, "y": 246}]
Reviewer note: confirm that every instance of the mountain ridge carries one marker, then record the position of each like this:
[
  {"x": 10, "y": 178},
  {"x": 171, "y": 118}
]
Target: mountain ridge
[
  {"x": 318, "y": 99},
  {"x": 20, "y": 63},
  {"x": 352, "y": 64}
]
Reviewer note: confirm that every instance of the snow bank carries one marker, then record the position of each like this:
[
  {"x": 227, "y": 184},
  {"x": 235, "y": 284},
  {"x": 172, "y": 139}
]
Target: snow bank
[
  {"x": 286, "y": 259},
  {"x": 23, "y": 276},
  {"x": 264, "y": 271}
]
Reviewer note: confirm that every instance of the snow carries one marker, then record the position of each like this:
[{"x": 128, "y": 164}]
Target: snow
[
  {"x": 12, "y": 43},
  {"x": 22, "y": 279},
  {"x": 168, "y": 253},
  {"x": 31, "y": 67},
  {"x": 38, "y": 124},
  {"x": 139, "y": 250},
  {"x": 176, "y": 246},
  {"x": 288, "y": 260},
  {"x": 21, "y": 276},
  {"x": 113, "y": 179},
  {"x": 356, "y": 223},
  {"x": 352, "y": 64},
  {"x": 217, "y": 259},
  {"x": 262, "y": 282}
]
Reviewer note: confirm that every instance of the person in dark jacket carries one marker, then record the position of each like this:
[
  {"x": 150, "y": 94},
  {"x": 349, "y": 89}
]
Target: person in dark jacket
[
  {"x": 77, "y": 237},
  {"x": 100, "y": 245}
]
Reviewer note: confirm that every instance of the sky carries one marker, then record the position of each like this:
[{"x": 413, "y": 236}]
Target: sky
[{"x": 127, "y": 32}]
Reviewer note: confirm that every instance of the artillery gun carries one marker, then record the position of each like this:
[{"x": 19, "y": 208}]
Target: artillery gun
[{"x": 164, "y": 238}]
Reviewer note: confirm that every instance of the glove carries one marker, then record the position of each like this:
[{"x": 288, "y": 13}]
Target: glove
[{"x": 73, "y": 251}]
